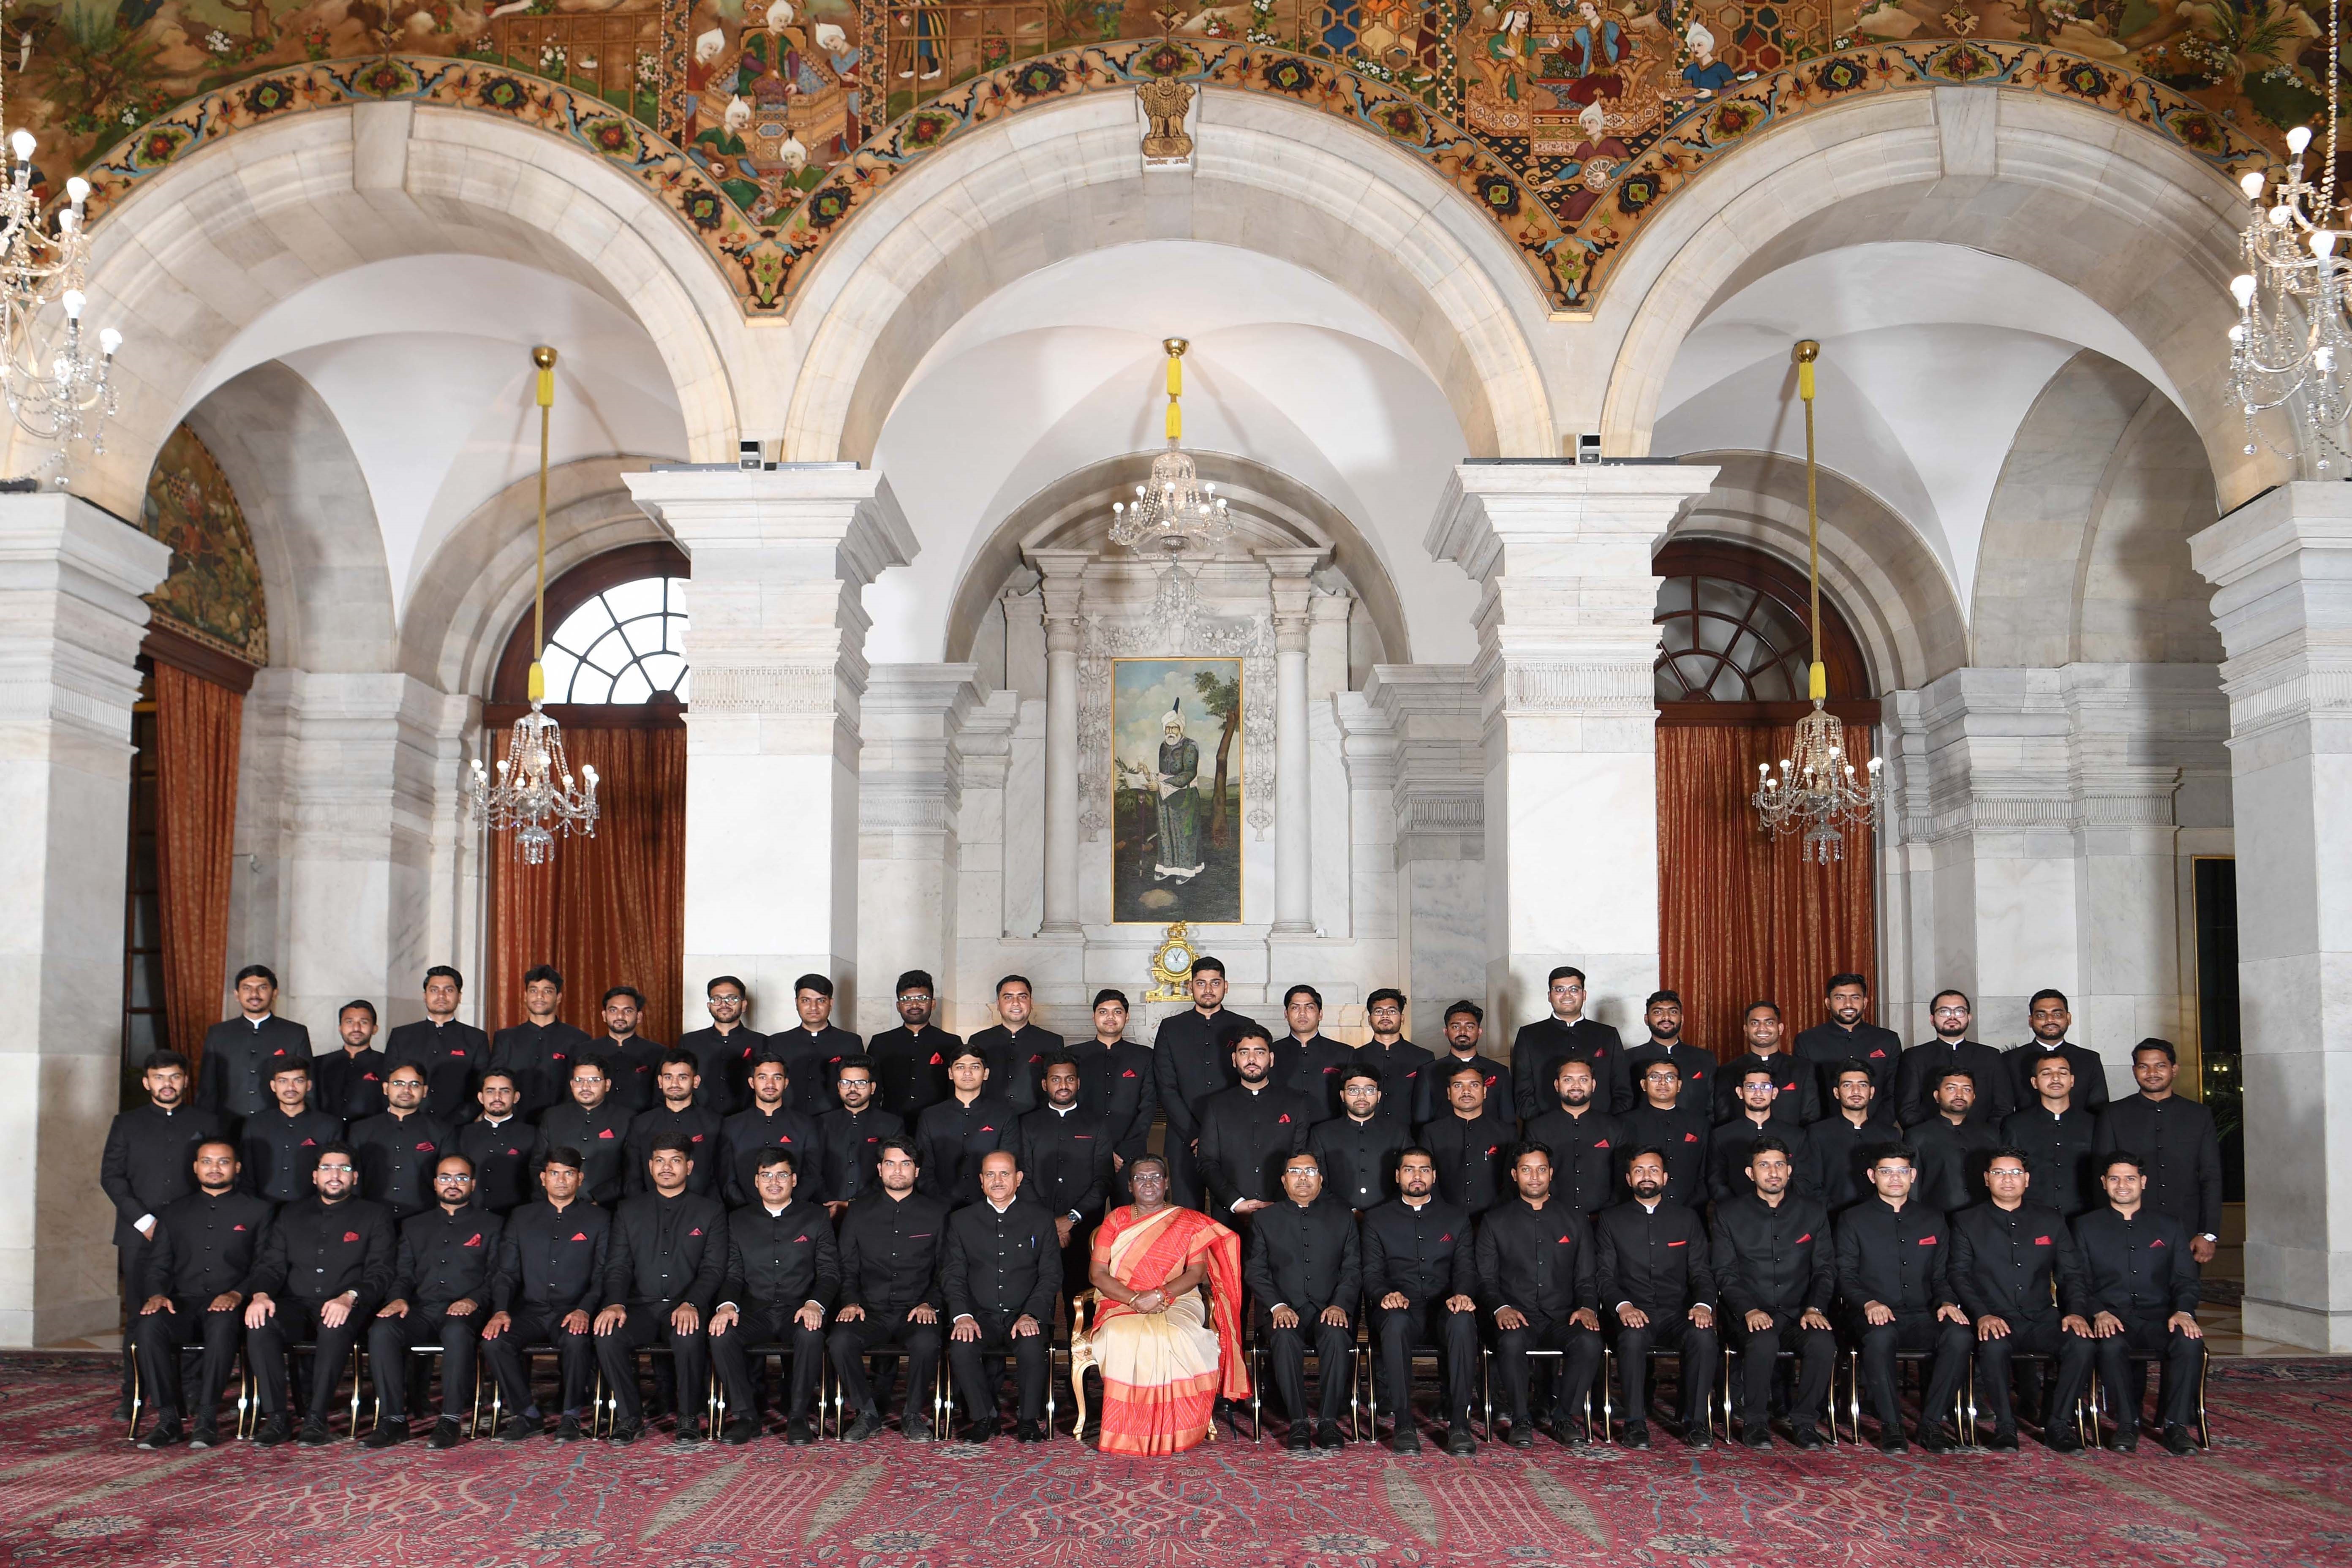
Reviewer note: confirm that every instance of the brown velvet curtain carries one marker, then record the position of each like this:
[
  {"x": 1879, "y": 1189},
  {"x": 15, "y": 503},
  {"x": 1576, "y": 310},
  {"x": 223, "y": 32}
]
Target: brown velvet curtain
[
  {"x": 1743, "y": 917},
  {"x": 607, "y": 911},
  {"x": 197, "y": 727}
]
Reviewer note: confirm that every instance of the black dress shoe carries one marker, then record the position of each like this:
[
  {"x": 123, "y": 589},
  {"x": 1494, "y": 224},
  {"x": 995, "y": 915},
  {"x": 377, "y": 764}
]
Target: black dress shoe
[
  {"x": 1404, "y": 1440},
  {"x": 2178, "y": 1442},
  {"x": 1570, "y": 1433},
  {"x": 2003, "y": 1441},
  {"x": 740, "y": 1430},
  {"x": 1757, "y": 1438},
  {"x": 122, "y": 1411},
  {"x": 1327, "y": 1436},
  {"x": 1028, "y": 1432},
  {"x": 689, "y": 1430},
  {"x": 515, "y": 1430},
  {"x": 2062, "y": 1440},
  {"x": 1893, "y": 1443},
  {"x": 315, "y": 1435},
  {"x": 981, "y": 1431},
  {"x": 1933, "y": 1441},
  {"x": 164, "y": 1436},
  {"x": 275, "y": 1429},
  {"x": 1698, "y": 1436},
  {"x": 916, "y": 1428},
  {"x": 1808, "y": 1441},
  {"x": 626, "y": 1432},
  {"x": 865, "y": 1426},
  {"x": 1522, "y": 1434},
  {"x": 1635, "y": 1435},
  {"x": 390, "y": 1430},
  {"x": 568, "y": 1429},
  {"x": 800, "y": 1432},
  {"x": 1300, "y": 1438},
  {"x": 204, "y": 1434},
  {"x": 447, "y": 1434},
  {"x": 1460, "y": 1441},
  {"x": 2124, "y": 1444}
]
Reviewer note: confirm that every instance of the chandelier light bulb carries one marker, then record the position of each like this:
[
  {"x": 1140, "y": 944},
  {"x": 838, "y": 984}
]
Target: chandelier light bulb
[
  {"x": 2237, "y": 331},
  {"x": 2298, "y": 139},
  {"x": 2251, "y": 184},
  {"x": 2242, "y": 289},
  {"x": 77, "y": 190},
  {"x": 588, "y": 772},
  {"x": 2323, "y": 242},
  {"x": 2280, "y": 215},
  {"x": 21, "y": 143},
  {"x": 74, "y": 300},
  {"x": 108, "y": 340}
]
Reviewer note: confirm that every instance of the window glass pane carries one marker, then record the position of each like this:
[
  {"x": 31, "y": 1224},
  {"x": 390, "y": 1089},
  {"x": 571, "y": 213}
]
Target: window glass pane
[
  {"x": 1728, "y": 686},
  {"x": 1773, "y": 683},
  {"x": 559, "y": 664},
  {"x": 1673, "y": 596},
  {"x": 642, "y": 598},
  {"x": 664, "y": 670},
  {"x": 1676, "y": 635},
  {"x": 630, "y": 686},
  {"x": 623, "y": 645},
  {"x": 645, "y": 634},
  {"x": 1718, "y": 598},
  {"x": 1695, "y": 671},
  {"x": 1715, "y": 633}
]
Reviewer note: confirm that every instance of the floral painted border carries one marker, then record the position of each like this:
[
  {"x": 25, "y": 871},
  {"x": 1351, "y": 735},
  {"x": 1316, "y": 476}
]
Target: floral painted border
[{"x": 765, "y": 265}]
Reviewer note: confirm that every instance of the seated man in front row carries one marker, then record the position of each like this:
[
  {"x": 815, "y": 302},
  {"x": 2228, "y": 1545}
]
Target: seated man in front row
[
  {"x": 1775, "y": 1267},
  {"x": 2144, "y": 1297},
  {"x": 1000, "y": 1273},
  {"x": 662, "y": 1274},
  {"x": 890, "y": 1246},
  {"x": 1894, "y": 1254},
  {"x": 1536, "y": 1286},
  {"x": 1656, "y": 1282},
  {"x": 550, "y": 1268},
  {"x": 2015, "y": 1269},
  {"x": 192, "y": 1276},
  {"x": 781, "y": 1274},
  {"x": 440, "y": 1291},
  {"x": 327, "y": 1262},
  {"x": 1305, "y": 1273}
]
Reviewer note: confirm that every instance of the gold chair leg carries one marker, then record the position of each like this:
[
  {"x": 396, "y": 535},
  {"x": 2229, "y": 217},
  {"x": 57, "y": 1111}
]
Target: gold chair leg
[
  {"x": 354, "y": 1417},
  {"x": 136, "y": 1392}
]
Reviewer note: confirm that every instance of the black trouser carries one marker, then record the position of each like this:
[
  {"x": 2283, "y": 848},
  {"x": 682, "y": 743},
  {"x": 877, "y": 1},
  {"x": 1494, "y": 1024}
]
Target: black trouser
[
  {"x": 1912, "y": 1331},
  {"x": 2146, "y": 1334},
  {"x": 1816, "y": 1354},
  {"x": 1581, "y": 1358},
  {"x": 389, "y": 1340},
  {"x": 1666, "y": 1331},
  {"x": 979, "y": 1366},
  {"x": 1285, "y": 1356},
  {"x": 763, "y": 1324},
  {"x": 130, "y": 1263},
  {"x": 1078, "y": 1258},
  {"x": 1398, "y": 1332},
  {"x": 2037, "y": 1335},
  {"x": 527, "y": 1325},
  {"x": 648, "y": 1322},
  {"x": 847, "y": 1343},
  {"x": 1186, "y": 1187},
  {"x": 158, "y": 1338},
  {"x": 295, "y": 1321}
]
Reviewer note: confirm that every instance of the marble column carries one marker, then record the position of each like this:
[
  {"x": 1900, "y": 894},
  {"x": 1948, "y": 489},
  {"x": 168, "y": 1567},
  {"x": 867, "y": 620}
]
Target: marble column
[
  {"x": 70, "y": 624},
  {"x": 1062, "y": 571},
  {"x": 2282, "y": 567},
  {"x": 1566, "y": 646},
  {"x": 911, "y": 787},
  {"x": 776, "y": 642},
  {"x": 1294, "y": 797}
]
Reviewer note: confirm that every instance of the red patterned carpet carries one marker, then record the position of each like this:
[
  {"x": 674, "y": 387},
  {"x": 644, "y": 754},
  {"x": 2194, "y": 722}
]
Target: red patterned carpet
[{"x": 2276, "y": 1489}]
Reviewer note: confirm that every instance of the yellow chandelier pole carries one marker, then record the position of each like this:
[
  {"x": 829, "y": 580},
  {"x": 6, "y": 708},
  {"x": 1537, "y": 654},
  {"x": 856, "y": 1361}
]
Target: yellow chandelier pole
[
  {"x": 1175, "y": 512},
  {"x": 544, "y": 358}
]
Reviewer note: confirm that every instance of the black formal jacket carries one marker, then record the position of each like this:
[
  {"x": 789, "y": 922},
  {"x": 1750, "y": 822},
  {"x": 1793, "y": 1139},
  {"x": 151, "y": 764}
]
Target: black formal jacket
[
  {"x": 447, "y": 1258},
  {"x": 2005, "y": 1262},
  {"x": 1834, "y": 1150},
  {"x": 666, "y": 1250},
  {"x": 553, "y": 1260},
  {"x": 1685, "y": 1138},
  {"x": 1951, "y": 1161},
  {"x": 349, "y": 1085},
  {"x": 601, "y": 1138},
  {"x": 1830, "y": 1047},
  {"x": 279, "y": 1150},
  {"x": 631, "y": 1067},
  {"x": 955, "y": 1137},
  {"x": 1538, "y": 1260},
  {"x": 204, "y": 1245},
  {"x": 1304, "y": 1258},
  {"x": 316, "y": 1251},
  {"x": 1587, "y": 1151},
  {"x": 1502, "y": 1093},
  {"x": 1471, "y": 1158},
  {"x": 890, "y": 1251},
  {"x": 1118, "y": 1083},
  {"x": 1245, "y": 1137},
  {"x": 911, "y": 1069},
  {"x": 2057, "y": 1152},
  {"x": 2139, "y": 1267},
  {"x": 1655, "y": 1259},
  {"x": 149, "y": 1160},
  {"x": 751, "y": 1132},
  {"x": 1427, "y": 1253},
  {"x": 540, "y": 1061},
  {"x": 1316, "y": 1064},
  {"x": 1066, "y": 1161},
  {"x": 1542, "y": 1045},
  {"x": 396, "y": 1155},
  {"x": 811, "y": 1058},
  {"x": 699, "y": 1125},
  {"x": 1777, "y": 1259},
  {"x": 2175, "y": 1136},
  {"x": 852, "y": 1147},
  {"x": 1405, "y": 1075},
  {"x": 1900, "y": 1259},
  {"x": 1727, "y": 1152},
  {"x": 1191, "y": 1060},
  {"x": 786, "y": 1258},
  {"x": 1800, "y": 1100},
  {"x": 1695, "y": 1063},
  {"x": 502, "y": 1153},
  {"x": 452, "y": 1057},
  {"x": 234, "y": 1077},
  {"x": 1003, "y": 1266},
  {"x": 1358, "y": 1158},
  {"x": 1015, "y": 1062},
  {"x": 725, "y": 1063},
  {"x": 2089, "y": 1074},
  {"x": 1916, "y": 1074}
]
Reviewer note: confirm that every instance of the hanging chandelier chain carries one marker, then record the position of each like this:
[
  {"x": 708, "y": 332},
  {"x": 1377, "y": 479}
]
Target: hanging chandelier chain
[{"x": 1175, "y": 512}]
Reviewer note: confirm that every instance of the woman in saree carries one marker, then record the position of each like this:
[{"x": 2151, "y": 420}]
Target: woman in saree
[{"x": 1166, "y": 1356}]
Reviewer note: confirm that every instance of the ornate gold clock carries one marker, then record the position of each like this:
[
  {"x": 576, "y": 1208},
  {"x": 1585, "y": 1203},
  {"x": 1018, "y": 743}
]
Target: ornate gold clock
[{"x": 1171, "y": 966}]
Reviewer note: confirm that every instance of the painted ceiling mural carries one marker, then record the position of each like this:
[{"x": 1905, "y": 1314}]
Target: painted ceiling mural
[
  {"x": 213, "y": 593},
  {"x": 764, "y": 127}
]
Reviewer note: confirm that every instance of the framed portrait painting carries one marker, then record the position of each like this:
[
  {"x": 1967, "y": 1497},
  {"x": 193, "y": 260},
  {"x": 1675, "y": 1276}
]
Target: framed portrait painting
[{"x": 1176, "y": 789}]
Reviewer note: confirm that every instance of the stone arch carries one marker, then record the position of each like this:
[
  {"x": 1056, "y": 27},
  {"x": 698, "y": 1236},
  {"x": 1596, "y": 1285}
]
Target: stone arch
[
  {"x": 2132, "y": 220},
  {"x": 1268, "y": 176},
  {"x": 191, "y": 255}
]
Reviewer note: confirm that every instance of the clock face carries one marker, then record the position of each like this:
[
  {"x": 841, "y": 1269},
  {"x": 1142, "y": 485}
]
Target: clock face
[{"x": 1179, "y": 957}]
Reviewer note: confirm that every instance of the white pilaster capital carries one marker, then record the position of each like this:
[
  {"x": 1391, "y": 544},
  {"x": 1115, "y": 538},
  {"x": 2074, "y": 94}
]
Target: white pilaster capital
[
  {"x": 1062, "y": 574},
  {"x": 1543, "y": 516},
  {"x": 823, "y": 521},
  {"x": 70, "y": 614}
]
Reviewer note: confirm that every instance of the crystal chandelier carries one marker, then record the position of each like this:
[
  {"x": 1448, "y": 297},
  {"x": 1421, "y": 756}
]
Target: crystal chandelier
[
  {"x": 1174, "y": 513},
  {"x": 58, "y": 390},
  {"x": 2291, "y": 343},
  {"x": 1818, "y": 793},
  {"x": 535, "y": 795}
]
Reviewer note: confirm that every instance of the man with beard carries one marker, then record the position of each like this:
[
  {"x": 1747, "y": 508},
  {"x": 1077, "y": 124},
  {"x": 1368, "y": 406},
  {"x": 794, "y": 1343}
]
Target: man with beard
[
  {"x": 910, "y": 1062},
  {"x": 1799, "y": 1101},
  {"x": 324, "y": 1265},
  {"x": 678, "y": 1109},
  {"x": 348, "y": 1085},
  {"x": 540, "y": 1050},
  {"x": 1654, "y": 1278},
  {"x": 1663, "y": 1014},
  {"x": 451, "y": 1055},
  {"x": 193, "y": 1280},
  {"x": 2049, "y": 1018},
  {"x": 1537, "y": 1053},
  {"x": 1066, "y": 1157},
  {"x": 1016, "y": 1050},
  {"x": 1587, "y": 1145},
  {"x": 1191, "y": 1058},
  {"x": 630, "y": 1060},
  {"x": 440, "y": 1292},
  {"x": 598, "y": 1129},
  {"x": 1776, "y": 1268},
  {"x": 240, "y": 1052},
  {"x": 1950, "y": 1147},
  {"x": 1924, "y": 1066},
  {"x": 724, "y": 1052},
  {"x": 1421, "y": 1278},
  {"x": 280, "y": 1144},
  {"x": 1357, "y": 1148},
  {"x": 1844, "y": 1037},
  {"x": 781, "y": 1274},
  {"x": 398, "y": 1150},
  {"x": 769, "y": 1122},
  {"x": 1469, "y": 1142},
  {"x": 501, "y": 1146},
  {"x": 551, "y": 1266},
  {"x": 813, "y": 1048},
  {"x": 1466, "y": 1025},
  {"x": 1834, "y": 1146},
  {"x": 890, "y": 1246},
  {"x": 1249, "y": 1130},
  {"x": 851, "y": 1136},
  {"x": 662, "y": 1273},
  {"x": 1538, "y": 1289},
  {"x": 1682, "y": 1136}
]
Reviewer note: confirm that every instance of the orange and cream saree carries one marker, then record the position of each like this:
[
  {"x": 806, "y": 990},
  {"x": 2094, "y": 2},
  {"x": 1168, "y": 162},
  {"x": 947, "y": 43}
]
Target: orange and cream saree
[{"x": 1162, "y": 1372}]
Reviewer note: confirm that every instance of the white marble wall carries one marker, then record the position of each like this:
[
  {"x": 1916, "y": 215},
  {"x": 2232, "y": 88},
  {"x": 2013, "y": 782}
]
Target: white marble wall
[
  {"x": 70, "y": 622},
  {"x": 911, "y": 785}
]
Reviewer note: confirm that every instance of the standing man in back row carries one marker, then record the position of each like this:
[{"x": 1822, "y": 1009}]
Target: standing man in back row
[
  {"x": 1844, "y": 1037},
  {"x": 910, "y": 1062},
  {"x": 240, "y": 1053},
  {"x": 1543, "y": 1045},
  {"x": 1016, "y": 1049},
  {"x": 1191, "y": 1058},
  {"x": 451, "y": 1055}
]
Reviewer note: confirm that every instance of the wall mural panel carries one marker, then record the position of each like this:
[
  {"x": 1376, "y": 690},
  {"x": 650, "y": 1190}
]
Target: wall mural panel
[
  {"x": 1176, "y": 792},
  {"x": 214, "y": 594},
  {"x": 764, "y": 126}
]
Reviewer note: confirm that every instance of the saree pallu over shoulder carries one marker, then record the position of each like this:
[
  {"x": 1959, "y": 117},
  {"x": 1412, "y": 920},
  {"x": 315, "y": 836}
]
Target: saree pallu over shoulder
[{"x": 1163, "y": 1372}]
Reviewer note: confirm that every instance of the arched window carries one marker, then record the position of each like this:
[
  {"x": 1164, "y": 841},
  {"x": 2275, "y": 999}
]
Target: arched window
[
  {"x": 1732, "y": 631},
  {"x": 616, "y": 634}
]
